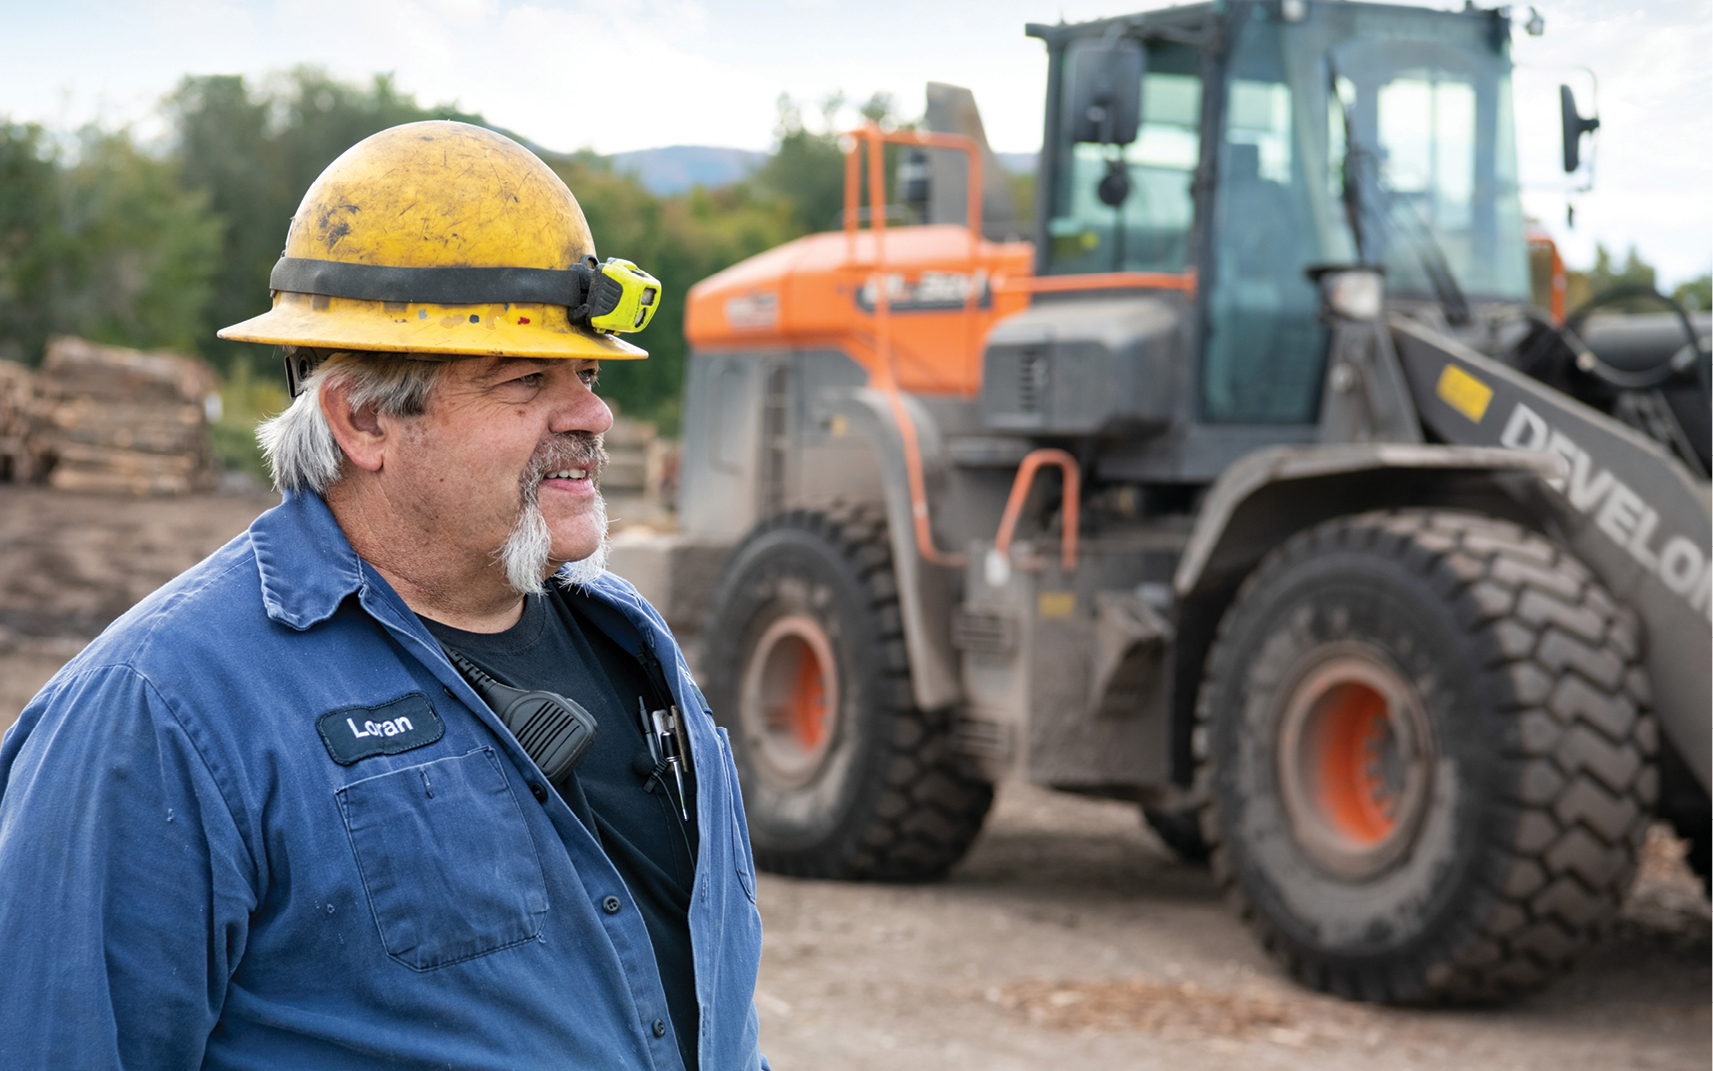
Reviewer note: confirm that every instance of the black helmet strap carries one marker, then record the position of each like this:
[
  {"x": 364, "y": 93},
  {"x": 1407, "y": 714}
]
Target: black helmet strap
[{"x": 446, "y": 286}]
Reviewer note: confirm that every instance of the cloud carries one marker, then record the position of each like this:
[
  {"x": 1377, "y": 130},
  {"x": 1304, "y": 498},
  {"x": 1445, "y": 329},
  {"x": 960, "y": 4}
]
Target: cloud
[
  {"x": 630, "y": 74},
  {"x": 622, "y": 80}
]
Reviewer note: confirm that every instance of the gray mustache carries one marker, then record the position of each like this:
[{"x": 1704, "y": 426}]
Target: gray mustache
[{"x": 572, "y": 450}]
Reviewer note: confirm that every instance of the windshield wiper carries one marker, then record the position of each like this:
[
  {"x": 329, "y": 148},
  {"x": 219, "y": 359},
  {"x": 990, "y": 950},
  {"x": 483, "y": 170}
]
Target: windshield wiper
[
  {"x": 1358, "y": 159},
  {"x": 1432, "y": 256}
]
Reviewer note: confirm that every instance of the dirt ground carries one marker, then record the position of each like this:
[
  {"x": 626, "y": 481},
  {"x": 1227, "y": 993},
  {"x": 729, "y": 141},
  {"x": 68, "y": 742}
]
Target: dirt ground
[
  {"x": 70, "y": 564},
  {"x": 1068, "y": 937}
]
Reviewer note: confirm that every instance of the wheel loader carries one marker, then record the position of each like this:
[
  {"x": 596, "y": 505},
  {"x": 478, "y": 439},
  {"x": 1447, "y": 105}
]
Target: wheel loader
[{"x": 1250, "y": 485}]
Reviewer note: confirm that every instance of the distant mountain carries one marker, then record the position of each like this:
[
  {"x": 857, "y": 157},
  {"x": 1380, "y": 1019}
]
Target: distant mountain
[{"x": 676, "y": 168}]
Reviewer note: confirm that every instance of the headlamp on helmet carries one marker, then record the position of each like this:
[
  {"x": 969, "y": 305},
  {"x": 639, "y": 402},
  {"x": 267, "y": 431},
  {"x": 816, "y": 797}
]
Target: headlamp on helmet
[{"x": 619, "y": 297}]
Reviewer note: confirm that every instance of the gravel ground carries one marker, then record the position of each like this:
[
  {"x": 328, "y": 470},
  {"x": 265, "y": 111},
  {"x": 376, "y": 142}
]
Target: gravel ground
[{"x": 1068, "y": 937}]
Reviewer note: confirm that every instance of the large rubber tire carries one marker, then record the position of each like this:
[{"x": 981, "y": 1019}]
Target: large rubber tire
[
  {"x": 1698, "y": 849},
  {"x": 1426, "y": 756},
  {"x": 1179, "y": 831},
  {"x": 1700, "y": 855},
  {"x": 807, "y": 668}
]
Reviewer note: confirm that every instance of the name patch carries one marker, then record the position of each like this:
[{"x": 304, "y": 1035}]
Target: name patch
[{"x": 353, "y": 733}]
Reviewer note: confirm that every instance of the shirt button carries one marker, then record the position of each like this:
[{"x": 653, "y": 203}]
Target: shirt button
[
  {"x": 660, "y": 1028},
  {"x": 539, "y": 791},
  {"x": 611, "y": 905}
]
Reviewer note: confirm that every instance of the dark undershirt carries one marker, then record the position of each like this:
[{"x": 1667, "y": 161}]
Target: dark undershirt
[{"x": 556, "y": 647}]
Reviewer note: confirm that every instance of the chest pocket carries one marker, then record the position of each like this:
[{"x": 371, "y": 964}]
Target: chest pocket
[{"x": 446, "y": 860}]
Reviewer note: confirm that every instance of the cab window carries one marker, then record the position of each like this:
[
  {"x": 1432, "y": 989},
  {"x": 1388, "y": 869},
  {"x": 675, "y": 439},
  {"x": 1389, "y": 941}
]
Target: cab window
[{"x": 1150, "y": 229}]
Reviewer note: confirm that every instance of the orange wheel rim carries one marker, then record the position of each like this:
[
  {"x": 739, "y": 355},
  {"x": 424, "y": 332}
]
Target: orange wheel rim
[
  {"x": 1355, "y": 757},
  {"x": 805, "y": 707},
  {"x": 788, "y": 700},
  {"x": 1352, "y": 792}
]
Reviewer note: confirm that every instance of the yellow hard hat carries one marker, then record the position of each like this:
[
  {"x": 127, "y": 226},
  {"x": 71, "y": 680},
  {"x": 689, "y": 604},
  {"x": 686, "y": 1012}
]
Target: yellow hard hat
[{"x": 446, "y": 238}]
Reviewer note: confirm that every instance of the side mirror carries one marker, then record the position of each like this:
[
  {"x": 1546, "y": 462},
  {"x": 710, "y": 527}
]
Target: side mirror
[
  {"x": 1574, "y": 127},
  {"x": 1106, "y": 92}
]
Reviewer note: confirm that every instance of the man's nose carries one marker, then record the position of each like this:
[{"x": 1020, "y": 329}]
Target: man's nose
[{"x": 581, "y": 409}]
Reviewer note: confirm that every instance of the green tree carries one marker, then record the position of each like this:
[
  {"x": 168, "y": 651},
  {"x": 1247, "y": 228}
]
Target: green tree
[
  {"x": 1697, "y": 294},
  {"x": 1633, "y": 273},
  {"x": 807, "y": 171},
  {"x": 29, "y": 238},
  {"x": 1023, "y": 194},
  {"x": 321, "y": 117},
  {"x": 139, "y": 249},
  {"x": 1582, "y": 287},
  {"x": 99, "y": 239},
  {"x": 225, "y": 153}
]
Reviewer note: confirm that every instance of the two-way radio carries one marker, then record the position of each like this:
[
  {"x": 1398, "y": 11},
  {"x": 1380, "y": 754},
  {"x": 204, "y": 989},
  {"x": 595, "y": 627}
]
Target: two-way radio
[{"x": 555, "y": 731}]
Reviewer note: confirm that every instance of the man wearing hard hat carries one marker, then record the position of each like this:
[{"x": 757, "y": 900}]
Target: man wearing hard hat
[{"x": 400, "y": 776}]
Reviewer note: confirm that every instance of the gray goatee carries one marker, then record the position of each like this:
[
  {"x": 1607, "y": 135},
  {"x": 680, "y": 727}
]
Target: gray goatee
[{"x": 528, "y": 548}]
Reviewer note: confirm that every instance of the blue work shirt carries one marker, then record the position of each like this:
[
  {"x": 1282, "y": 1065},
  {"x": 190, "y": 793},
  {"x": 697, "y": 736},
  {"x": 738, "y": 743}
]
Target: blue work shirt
[{"x": 261, "y": 822}]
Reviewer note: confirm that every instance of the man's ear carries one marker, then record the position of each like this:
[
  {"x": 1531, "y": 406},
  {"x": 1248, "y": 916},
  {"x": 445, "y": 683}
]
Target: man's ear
[{"x": 360, "y": 433}]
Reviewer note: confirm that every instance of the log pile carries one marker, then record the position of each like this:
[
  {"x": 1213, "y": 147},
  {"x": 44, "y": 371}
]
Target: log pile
[
  {"x": 627, "y": 443},
  {"x": 17, "y": 402},
  {"x": 112, "y": 419},
  {"x": 639, "y": 462}
]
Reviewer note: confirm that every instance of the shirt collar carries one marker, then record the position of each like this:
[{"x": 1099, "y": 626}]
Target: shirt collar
[{"x": 307, "y": 565}]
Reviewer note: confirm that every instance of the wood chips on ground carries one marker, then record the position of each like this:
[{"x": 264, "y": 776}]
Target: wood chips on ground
[{"x": 1185, "y": 1011}]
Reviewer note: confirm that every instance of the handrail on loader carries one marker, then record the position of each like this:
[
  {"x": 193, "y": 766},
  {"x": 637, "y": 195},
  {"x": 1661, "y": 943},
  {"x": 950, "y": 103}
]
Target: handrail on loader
[
  {"x": 876, "y": 139},
  {"x": 1032, "y": 463}
]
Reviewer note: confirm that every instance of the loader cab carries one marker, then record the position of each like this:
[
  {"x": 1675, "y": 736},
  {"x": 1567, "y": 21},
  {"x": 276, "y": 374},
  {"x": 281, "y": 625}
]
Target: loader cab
[{"x": 1271, "y": 138}]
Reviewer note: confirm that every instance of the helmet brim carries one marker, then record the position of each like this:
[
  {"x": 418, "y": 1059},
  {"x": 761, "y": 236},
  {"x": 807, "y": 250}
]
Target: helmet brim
[{"x": 499, "y": 330}]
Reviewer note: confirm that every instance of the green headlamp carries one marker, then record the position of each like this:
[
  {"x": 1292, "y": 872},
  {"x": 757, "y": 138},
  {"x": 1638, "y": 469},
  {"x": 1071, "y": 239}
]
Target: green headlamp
[{"x": 621, "y": 297}]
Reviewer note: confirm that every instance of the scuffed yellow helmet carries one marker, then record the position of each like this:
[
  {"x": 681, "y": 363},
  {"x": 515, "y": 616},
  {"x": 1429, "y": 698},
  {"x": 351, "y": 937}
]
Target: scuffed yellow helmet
[{"x": 446, "y": 238}]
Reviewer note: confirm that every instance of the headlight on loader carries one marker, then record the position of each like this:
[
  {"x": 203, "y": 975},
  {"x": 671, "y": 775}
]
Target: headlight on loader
[{"x": 1350, "y": 293}]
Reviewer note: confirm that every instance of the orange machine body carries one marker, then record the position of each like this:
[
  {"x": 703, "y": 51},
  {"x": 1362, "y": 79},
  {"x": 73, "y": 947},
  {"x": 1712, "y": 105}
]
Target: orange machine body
[
  {"x": 1546, "y": 267},
  {"x": 912, "y": 305},
  {"x": 944, "y": 293}
]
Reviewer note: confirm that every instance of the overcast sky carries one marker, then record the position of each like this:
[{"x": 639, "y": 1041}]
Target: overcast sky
[{"x": 635, "y": 74}]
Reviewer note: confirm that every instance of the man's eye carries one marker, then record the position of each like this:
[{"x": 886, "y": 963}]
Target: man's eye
[
  {"x": 532, "y": 380},
  {"x": 590, "y": 376}
]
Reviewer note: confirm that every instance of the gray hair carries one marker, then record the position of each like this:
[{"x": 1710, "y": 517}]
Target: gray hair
[{"x": 299, "y": 444}]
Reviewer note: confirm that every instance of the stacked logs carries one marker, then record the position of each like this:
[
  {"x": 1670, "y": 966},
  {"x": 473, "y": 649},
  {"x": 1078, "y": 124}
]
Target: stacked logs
[
  {"x": 110, "y": 419},
  {"x": 17, "y": 402},
  {"x": 639, "y": 462},
  {"x": 627, "y": 443}
]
